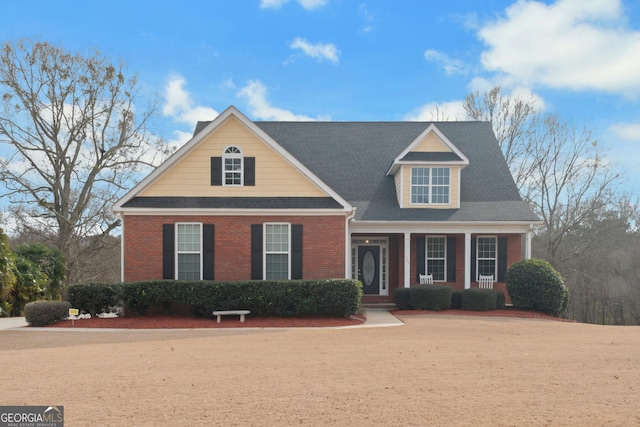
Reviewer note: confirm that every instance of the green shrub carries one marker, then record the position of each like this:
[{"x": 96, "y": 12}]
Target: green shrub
[
  {"x": 94, "y": 298},
  {"x": 456, "y": 299},
  {"x": 476, "y": 299},
  {"x": 534, "y": 284},
  {"x": 42, "y": 313},
  {"x": 335, "y": 297},
  {"x": 430, "y": 297},
  {"x": 402, "y": 298},
  {"x": 500, "y": 300}
]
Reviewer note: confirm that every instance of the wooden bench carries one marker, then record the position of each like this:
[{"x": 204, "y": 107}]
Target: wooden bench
[{"x": 241, "y": 313}]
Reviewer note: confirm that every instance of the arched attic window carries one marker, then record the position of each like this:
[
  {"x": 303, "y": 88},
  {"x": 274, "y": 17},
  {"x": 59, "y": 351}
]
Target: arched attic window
[
  {"x": 233, "y": 169},
  {"x": 233, "y": 166}
]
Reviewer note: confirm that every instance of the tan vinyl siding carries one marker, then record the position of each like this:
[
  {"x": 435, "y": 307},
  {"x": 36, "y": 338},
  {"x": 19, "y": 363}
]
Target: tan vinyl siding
[
  {"x": 398, "y": 180},
  {"x": 431, "y": 143},
  {"x": 454, "y": 188},
  {"x": 275, "y": 176}
]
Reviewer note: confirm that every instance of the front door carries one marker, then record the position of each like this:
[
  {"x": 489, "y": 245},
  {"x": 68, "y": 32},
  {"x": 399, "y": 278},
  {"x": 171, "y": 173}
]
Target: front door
[{"x": 369, "y": 269}]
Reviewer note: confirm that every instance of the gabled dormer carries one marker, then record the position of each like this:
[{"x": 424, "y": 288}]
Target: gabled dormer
[{"x": 427, "y": 173}]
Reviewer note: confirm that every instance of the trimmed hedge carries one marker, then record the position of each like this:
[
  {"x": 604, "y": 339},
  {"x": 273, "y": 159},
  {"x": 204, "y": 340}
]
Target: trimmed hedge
[
  {"x": 534, "y": 284},
  {"x": 94, "y": 298},
  {"x": 430, "y": 297},
  {"x": 402, "y": 298},
  {"x": 476, "y": 299},
  {"x": 456, "y": 299},
  {"x": 500, "y": 300},
  {"x": 43, "y": 313},
  {"x": 335, "y": 297}
]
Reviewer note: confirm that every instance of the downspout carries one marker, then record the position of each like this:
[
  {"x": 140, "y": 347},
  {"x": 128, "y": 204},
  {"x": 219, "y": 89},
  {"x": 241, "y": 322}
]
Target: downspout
[
  {"x": 121, "y": 216},
  {"x": 347, "y": 244}
]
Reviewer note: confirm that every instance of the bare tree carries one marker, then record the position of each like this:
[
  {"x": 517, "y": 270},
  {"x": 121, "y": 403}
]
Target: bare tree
[
  {"x": 510, "y": 117},
  {"x": 562, "y": 172},
  {"x": 76, "y": 137},
  {"x": 570, "y": 181}
]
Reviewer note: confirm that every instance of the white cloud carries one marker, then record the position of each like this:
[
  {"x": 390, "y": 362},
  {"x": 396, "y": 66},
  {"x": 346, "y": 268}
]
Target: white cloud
[
  {"x": 179, "y": 105},
  {"x": 576, "y": 44},
  {"x": 178, "y": 139},
  {"x": 307, "y": 4},
  {"x": 449, "y": 65},
  {"x": 437, "y": 111},
  {"x": 626, "y": 131},
  {"x": 255, "y": 94},
  {"x": 317, "y": 51},
  {"x": 367, "y": 25}
]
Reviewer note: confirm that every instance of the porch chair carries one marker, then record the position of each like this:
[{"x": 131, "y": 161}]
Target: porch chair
[
  {"x": 426, "y": 279},
  {"x": 485, "y": 282}
]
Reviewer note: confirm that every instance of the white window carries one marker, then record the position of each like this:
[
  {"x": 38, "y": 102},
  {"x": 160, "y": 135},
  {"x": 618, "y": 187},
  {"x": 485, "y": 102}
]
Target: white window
[
  {"x": 436, "y": 252},
  {"x": 232, "y": 166},
  {"x": 486, "y": 256},
  {"x": 276, "y": 249},
  {"x": 430, "y": 185},
  {"x": 189, "y": 253}
]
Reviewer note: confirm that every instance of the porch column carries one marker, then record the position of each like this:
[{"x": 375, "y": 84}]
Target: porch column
[
  {"x": 407, "y": 260},
  {"x": 527, "y": 245},
  {"x": 467, "y": 260}
]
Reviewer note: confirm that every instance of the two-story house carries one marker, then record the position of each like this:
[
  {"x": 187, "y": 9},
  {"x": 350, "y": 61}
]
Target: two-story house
[{"x": 382, "y": 202}]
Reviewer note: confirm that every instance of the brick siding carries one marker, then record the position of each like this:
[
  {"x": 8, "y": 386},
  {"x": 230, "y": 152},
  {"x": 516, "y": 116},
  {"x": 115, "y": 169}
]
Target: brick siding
[{"x": 323, "y": 245}]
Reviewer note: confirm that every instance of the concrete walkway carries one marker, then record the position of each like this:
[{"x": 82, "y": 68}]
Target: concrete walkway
[
  {"x": 376, "y": 318},
  {"x": 12, "y": 322}
]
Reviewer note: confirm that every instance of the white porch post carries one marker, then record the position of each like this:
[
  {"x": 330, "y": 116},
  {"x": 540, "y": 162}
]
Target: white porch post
[
  {"x": 467, "y": 260},
  {"x": 407, "y": 259},
  {"x": 527, "y": 245}
]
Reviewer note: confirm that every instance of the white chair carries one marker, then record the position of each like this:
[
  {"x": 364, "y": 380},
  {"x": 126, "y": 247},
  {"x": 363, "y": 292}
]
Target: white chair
[
  {"x": 426, "y": 279},
  {"x": 485, "y": 282}
]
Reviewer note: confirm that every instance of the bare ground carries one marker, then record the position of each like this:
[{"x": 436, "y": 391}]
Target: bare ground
[{"x": 435, "y": 370}]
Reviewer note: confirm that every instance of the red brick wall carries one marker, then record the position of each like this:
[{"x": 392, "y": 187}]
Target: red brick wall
[
  {"x": 514, "y": 254},
  {"x": 323, "y": 245}
]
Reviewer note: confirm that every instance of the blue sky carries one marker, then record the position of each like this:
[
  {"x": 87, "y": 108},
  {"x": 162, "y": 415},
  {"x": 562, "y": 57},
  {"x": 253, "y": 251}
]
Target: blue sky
[{"x": 361, "y": 60}]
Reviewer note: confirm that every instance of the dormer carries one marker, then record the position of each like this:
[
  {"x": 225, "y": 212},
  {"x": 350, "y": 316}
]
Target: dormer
[{"x": 427, "y": 173}]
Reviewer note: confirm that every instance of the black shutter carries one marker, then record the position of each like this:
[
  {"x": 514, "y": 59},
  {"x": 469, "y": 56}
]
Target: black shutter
[
  {"x": 216, "y": 171},
  {"x": 420, "y": 258},
  {"x": 473, "y": 259},
  {"x": 250, "y": 171},
  {"x": 208, "y": 236},
  {"x": 168, "y": 257},
  {"x": 256, "y": 251},
  {"x": 451, "y": 259},
  {"x": 296, "y": 251},
  {"x": 502, "y": 258}
]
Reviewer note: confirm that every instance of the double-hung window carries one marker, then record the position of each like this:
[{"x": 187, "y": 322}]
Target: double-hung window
[
  {"x": 430, "y": 185},
  {"x": 276, "y": 250},
  {"x": 436, "y": 252},
  {"x": 189, "y": 251},
  {"x": 233, "y": 168},
  {"x": 487, "y": 256}
]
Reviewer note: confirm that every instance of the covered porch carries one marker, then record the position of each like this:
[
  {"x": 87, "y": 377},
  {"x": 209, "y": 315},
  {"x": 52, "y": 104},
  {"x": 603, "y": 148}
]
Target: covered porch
[{"x": 386, "y": 260}]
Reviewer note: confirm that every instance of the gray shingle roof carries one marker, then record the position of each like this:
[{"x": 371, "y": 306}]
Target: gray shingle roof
[
  {"x": 234, "y": 202},
  {"x": 353, "y": 158}
]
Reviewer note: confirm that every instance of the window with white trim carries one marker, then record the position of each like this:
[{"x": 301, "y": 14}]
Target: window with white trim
[
  {"x": 430, "y": 185},
  {"x": 232, "y": 166},
  {"x": 436, "y": 257},
  {"x": 276, "y": 249},
  {"x": 189, "y": 251},
  {"x": 487, "y": 256}
]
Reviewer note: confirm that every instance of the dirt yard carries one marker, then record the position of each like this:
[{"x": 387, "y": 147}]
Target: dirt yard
[{"x": 434, "y": 370}]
